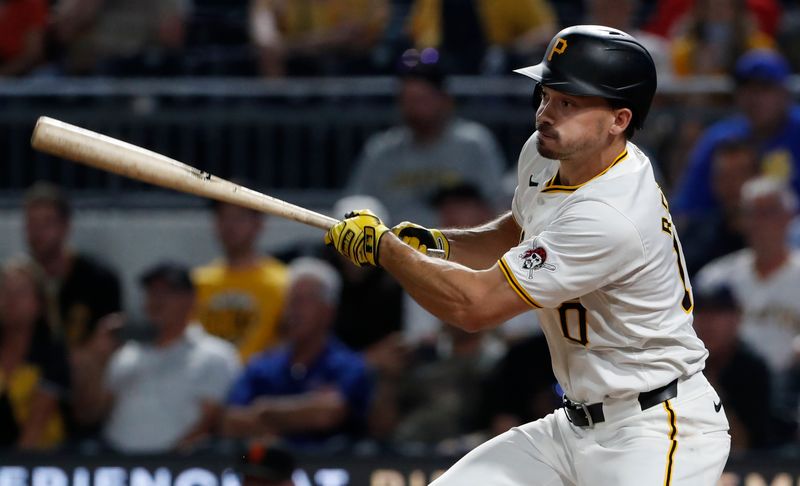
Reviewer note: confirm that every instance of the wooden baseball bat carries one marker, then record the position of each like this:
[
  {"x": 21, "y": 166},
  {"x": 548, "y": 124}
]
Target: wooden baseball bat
[{"x": 102, "y": 152}]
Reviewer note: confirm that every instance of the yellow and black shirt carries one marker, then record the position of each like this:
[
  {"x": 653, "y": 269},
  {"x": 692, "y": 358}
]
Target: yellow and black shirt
[{"x": 44, "y": 369}]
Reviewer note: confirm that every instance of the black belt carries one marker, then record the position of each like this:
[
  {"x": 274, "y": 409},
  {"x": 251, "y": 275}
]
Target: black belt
[{"x": 586, "y": 415}]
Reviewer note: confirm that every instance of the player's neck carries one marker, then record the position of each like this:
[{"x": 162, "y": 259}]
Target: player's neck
[{"x": 583, "y": 167}]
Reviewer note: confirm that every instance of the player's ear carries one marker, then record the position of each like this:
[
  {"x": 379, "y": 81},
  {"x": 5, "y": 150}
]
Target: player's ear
[{"x": 622, "y": 118}]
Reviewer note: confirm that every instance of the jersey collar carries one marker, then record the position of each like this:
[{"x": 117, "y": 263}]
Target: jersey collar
[{"x": 553, "y": 184}]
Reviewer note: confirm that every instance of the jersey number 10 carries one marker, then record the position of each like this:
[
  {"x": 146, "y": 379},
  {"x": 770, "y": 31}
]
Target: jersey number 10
[{"x": 568, "y": 309}]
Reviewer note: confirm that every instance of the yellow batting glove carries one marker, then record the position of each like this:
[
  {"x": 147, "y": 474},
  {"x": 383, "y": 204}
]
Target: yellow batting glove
[
  {"x": 357, "y": 237},
  {"x": 422, "y": 239}
]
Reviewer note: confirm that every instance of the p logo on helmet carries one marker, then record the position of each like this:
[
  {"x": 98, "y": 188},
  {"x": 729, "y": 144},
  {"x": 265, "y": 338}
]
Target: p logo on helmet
[
  {"x": 602, "y": 62},
  {"x": 558, "y": 48}
]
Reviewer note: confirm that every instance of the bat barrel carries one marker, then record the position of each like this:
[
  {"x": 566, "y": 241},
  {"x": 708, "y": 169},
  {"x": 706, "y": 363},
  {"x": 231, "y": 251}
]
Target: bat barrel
[{"x": 77, "y": 144}]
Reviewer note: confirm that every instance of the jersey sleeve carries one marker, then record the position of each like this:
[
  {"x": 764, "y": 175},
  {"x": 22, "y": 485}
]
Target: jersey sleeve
[{"x": 588, "y": 246}]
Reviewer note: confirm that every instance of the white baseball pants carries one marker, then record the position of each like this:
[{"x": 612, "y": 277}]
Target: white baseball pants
[{"x": 681, "y": 442}]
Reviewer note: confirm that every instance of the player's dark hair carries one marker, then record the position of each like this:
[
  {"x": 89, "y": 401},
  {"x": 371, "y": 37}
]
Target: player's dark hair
[{"x": 48, "y": 193}]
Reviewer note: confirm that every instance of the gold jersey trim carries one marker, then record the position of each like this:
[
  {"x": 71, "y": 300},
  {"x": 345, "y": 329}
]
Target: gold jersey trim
[
  {"x": 512, "y": 280},
  {"x": 553, "y": 186}
]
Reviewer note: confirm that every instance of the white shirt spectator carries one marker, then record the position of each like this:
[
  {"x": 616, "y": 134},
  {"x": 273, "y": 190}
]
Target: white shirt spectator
[
  {"x": 158, "y": 392},
  {"x": 770, "y": 306}
]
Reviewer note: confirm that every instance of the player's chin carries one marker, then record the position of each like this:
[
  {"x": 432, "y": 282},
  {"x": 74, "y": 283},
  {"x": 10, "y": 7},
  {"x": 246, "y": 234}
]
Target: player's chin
[{"x": 544, "y": 145}]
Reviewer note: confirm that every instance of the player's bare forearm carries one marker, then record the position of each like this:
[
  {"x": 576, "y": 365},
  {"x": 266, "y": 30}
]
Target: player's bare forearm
[
  {"x": 481, "y": 247},
  {"x": 469, "y": 299}
]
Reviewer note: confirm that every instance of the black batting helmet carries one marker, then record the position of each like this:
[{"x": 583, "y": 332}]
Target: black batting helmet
[{"x": 593, "y": 60}]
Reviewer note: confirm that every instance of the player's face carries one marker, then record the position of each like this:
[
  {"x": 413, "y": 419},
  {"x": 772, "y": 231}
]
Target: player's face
[{"x": 568, "y": 126}]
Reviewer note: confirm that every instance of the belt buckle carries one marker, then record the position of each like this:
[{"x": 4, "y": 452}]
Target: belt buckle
[
  {"x": 588, "y": 415},
  {"x": 576, "y": 406}
]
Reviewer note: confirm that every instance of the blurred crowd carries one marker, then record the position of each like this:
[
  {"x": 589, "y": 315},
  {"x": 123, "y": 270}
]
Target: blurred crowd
[
  {"x": 275, "y": 38},
  {"x": 303, "y": 349}
]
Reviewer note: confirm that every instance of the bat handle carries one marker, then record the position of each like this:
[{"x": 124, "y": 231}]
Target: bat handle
[{"x": 435, "y": 253}]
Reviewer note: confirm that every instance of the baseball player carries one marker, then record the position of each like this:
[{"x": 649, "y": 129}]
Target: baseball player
[{"x": 600, "y": 261}]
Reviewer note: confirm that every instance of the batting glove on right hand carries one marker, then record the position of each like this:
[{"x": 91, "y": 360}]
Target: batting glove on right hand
[
  {"x": 422, "y": 239},
  {"x": 358, "y": 237}
]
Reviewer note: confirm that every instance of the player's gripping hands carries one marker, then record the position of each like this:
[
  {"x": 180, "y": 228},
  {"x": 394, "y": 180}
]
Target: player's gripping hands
[
  {"x": 423, "y": 239},
  {"x": 358, "y": 237}
]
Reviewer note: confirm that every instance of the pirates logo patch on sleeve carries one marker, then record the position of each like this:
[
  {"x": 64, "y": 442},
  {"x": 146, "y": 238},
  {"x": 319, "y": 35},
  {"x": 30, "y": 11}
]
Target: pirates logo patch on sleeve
[{"x": 535, "y": 259}]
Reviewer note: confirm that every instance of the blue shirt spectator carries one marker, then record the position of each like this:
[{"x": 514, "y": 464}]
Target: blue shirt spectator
[
  {"x": 767, "y": 120},
  {"x": 313, "y": 392},
  {"x": 273, "y": 374}
]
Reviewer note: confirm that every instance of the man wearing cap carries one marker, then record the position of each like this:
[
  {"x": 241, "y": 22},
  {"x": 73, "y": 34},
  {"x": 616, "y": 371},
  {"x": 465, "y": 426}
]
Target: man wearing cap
[
  {"x": 737, "y": 371},
  {"x": 161, "y": 395},
  {"x": 768, "y": 119},
  {"x": 405, "y": 165}
]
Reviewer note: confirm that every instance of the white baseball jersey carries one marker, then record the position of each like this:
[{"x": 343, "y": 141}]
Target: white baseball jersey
[
  {"x": 770, "y": 307},
  {"x": 602, "y": 263}
]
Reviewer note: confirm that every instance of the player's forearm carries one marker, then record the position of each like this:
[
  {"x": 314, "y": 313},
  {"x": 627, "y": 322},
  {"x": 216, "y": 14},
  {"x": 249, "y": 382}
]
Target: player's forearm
[
  {"x": 481, "y": 247},
  {"x": 450, "y": 291}
]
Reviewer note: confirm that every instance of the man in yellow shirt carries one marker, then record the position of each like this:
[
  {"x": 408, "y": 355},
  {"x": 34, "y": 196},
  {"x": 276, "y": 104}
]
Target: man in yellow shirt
[
  {"x": 240, "y": 296},
  {"x": 515, "y": 29},
  {"x": 314, "y": 37}
]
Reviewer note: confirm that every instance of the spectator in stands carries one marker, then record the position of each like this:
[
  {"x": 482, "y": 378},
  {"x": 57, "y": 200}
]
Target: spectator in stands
[
  {"x": 460, "y": 205},
  {"x": 520, "y": 388},
  {"x": 370, "y": 313},
  {"x": 668, "y": 13},
  {"x": 119, "y": 37},
  {"x": 767, "y": 118},
  {"x": 240, "y": 296},
  {"x": 34, "y": 375},
  {"x": 710, "y": 234},
  {"x": 740, "y": 376},
  {"x": 482, "y": 35},
  {"x": 314, "y": 392},
  {"x": 405, "y": 165},
  {"x": 713, "y": 36},
  {"x": 433, "y": 395},
  {"x": 78, "y": 289},
  {"x": 218, "y": 39},
  {"x": 764, "y": 279},
  {"x": 307, "y": 37},
  {"x": 22, "y": 35},
  {"x": 621, "y": 14},
  {"x": 267, "y": 465},
  {"x": 165, "y": 394}
]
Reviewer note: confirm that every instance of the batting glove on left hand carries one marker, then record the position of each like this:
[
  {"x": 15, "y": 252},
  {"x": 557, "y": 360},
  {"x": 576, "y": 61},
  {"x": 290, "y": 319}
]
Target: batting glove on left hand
[
  {"x": 358, "y": 237},
  {"x": 423, "y": 239}
]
